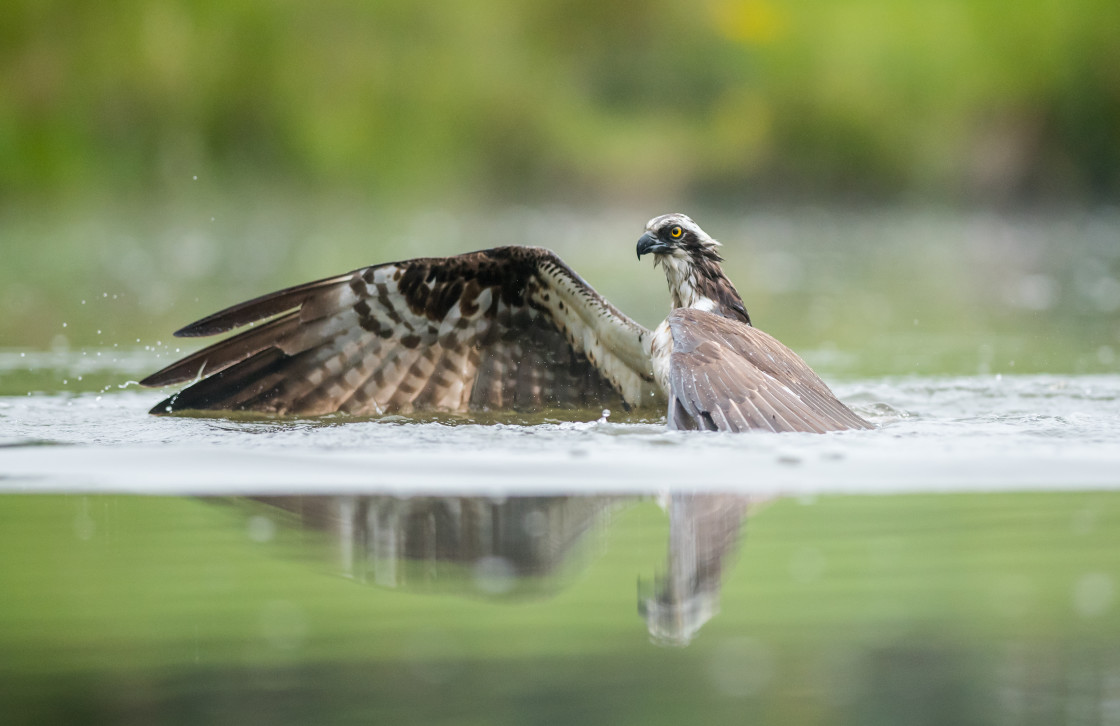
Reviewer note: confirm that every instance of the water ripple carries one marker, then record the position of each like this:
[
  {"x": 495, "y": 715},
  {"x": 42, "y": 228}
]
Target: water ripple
[{"x": 979, "y": 432}]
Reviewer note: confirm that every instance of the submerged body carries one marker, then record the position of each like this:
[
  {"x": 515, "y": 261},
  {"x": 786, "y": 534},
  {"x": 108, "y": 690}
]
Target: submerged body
[{"x": 506, "y": 328}]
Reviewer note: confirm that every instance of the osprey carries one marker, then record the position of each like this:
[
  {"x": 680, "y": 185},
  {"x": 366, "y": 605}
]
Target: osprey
[{"x": 506, "y": 328}]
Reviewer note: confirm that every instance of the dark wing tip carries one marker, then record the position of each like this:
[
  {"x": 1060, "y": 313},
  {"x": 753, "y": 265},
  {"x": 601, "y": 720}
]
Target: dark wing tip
[
  {"x": 164, "y": 407},
  {"x": 259, "y": 308},
  {"x": 158, "y": 380},
  {"x": 169, "y": 376},
  {"x": 202, "y": 328},
  {"x": 224, "y": 353}
]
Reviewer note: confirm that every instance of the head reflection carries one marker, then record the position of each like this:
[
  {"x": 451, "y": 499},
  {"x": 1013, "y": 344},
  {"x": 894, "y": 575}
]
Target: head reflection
[{"x": 703, "y": 532}]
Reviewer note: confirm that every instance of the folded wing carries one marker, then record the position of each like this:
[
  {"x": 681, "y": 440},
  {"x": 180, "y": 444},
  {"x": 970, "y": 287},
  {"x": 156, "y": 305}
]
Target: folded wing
[
  {"x": 506, "y": 328},
  {"x": 728, "y": 376}
]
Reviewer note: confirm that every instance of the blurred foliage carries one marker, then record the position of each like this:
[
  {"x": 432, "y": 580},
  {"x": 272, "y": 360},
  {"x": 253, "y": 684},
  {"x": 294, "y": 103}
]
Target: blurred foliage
[{"x": 570, "y": 98}]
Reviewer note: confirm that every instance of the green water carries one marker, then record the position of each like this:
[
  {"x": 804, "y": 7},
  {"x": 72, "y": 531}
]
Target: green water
[{"x": 976, "y": 608}]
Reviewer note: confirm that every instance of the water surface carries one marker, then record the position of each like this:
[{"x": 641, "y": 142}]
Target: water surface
[
  {"x": 935, "y": 433},
  {"x": 957, "y": 565}
]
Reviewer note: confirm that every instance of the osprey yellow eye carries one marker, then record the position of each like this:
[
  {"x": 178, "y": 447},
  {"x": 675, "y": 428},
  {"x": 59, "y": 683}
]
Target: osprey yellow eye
[{"x": 676, "y": 232}]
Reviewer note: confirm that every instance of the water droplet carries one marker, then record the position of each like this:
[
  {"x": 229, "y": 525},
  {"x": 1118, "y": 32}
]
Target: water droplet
[
  {"x": 1106, "y": 356},
  {"x": 1093, "y": 594},
  {"x": 261, "y": 528},
  {"x": 1084, "y": 521},
  {"x": 741, "y": 667},
  {"x": 494, "y": 575},
  {"x": 806, "y": 565},
  {"x": 283, "y": 624},
  {"x": 1035, "y": 292},
  {"x": 84, "y": 526},
  {"x": 535, "y": 523},
  {"x": 1106, "y": 294}
]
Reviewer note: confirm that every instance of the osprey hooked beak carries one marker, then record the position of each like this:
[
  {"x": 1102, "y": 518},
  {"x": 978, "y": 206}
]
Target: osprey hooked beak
[
  {"x": 669, "y": 234},
  {"x": 648, "y": 243}
]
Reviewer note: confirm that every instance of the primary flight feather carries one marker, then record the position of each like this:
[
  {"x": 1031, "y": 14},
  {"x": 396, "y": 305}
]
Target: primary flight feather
[{"x": 510, "y": 328}]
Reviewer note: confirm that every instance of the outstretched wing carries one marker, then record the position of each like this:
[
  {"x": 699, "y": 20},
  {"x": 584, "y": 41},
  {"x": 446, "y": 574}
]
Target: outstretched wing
[
  {"x": 506, "y": 328},
  {"x": 727, "y": 376}
]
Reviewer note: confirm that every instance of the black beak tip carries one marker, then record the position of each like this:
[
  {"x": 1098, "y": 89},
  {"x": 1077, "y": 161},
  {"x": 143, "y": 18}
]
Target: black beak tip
[{"x": 646, "y": 244}]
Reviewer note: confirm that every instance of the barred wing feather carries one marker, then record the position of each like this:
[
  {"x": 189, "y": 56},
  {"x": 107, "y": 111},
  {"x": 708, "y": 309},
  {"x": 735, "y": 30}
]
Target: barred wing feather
[{"x": 505, "y": 328}]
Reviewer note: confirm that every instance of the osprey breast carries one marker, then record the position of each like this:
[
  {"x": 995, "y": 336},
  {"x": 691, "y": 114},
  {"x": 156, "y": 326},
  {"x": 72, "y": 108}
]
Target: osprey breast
[{"x": 660, "y": 353}]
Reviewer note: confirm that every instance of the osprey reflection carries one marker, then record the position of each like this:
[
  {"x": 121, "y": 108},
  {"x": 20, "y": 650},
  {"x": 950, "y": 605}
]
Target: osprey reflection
[{"x": 521, "y": 546}]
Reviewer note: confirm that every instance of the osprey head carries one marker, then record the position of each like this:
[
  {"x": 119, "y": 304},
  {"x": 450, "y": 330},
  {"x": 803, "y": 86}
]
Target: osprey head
[
  {"x": 678, "y": 236},
  {"x": 691, "y": 260}
]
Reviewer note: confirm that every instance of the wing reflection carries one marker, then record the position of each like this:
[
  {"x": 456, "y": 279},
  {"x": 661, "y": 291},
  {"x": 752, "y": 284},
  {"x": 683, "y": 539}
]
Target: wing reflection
[
  {"x": 492, "y": 546},
  {"x": 523, "y": 545}
]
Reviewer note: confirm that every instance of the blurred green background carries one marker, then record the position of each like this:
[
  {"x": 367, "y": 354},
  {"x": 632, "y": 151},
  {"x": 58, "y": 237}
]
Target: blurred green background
[
  {"x": 161, "y": 159},
  {"x": 566, "y": 98}
]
